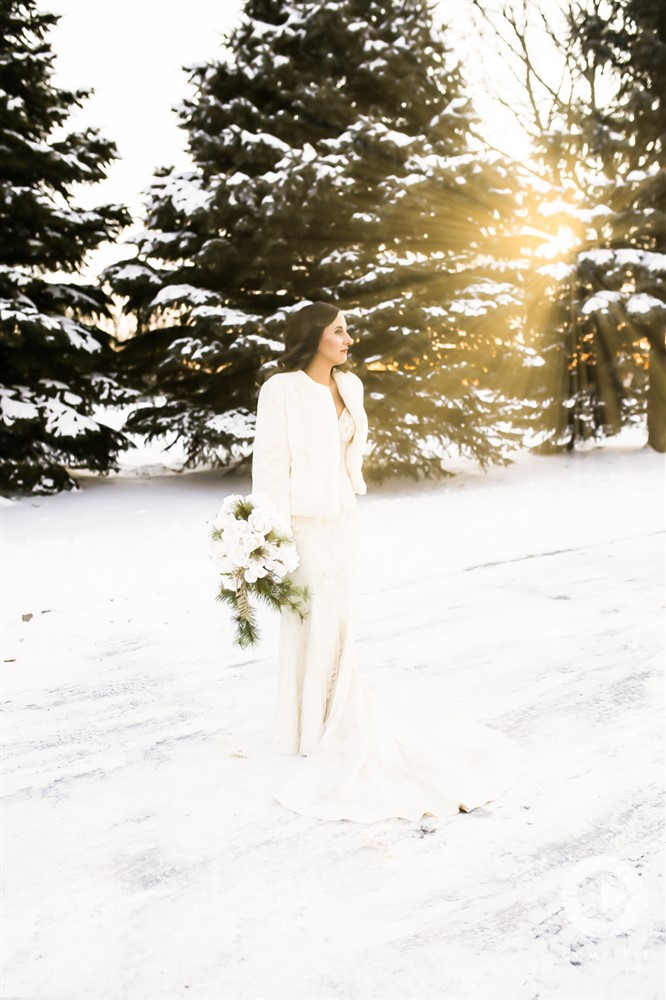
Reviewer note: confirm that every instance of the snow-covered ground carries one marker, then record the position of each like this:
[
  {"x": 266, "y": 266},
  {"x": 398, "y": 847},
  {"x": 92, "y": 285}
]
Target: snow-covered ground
[{"x": 143, "y": 853}]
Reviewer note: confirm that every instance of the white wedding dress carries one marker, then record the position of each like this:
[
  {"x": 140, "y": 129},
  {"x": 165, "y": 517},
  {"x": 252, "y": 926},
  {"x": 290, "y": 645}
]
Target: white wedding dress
[{"x": 356, "y": 762}]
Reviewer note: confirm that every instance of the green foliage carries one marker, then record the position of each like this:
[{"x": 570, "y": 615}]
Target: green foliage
[
  {"x": 597, "y": 308},
  {"x": 246, "y": 633},
  {"x": 55, "y": 359},
  {"x": 332, "y": 160},
  {"x": 277, "y": 594},
  {"x": 243, "y": 509}
]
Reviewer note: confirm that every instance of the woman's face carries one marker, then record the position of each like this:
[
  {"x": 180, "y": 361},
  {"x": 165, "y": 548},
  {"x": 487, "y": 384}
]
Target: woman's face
[{"x": 335, "y": 340}]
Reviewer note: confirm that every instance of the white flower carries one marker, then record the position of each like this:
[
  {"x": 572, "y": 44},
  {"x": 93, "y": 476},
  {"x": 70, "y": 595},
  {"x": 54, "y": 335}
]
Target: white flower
[
  {"x": 273, "y": 553},
  {"x": 254, "y": 539},
  {"x": 260, "y": 521},
  {"x": 219, "y": 553},
  {"x": 256, "y": 569},
  {"x": 239, "y": 556},
  {"x": 236, "y": 532},
  {"x": 278, "y": 569},
  {"x": 289, "y": 556},
  {"x": 283, "y": 525},
  {"x": 225, "y": 516},
  {"x": 229, "y": 503},
  {"x": 222, "y": 519}
]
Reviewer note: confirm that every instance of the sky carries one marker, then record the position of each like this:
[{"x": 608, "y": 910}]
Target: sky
[{"x": 132, "y": 53}]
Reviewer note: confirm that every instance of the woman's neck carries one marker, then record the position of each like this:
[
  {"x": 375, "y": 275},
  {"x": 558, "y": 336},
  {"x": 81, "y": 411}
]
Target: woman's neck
[{"x": 322, "y": 372}]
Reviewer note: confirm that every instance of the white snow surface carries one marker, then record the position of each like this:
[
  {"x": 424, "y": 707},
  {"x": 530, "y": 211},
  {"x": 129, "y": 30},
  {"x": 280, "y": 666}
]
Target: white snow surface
[{"x": 143, "y": 853}]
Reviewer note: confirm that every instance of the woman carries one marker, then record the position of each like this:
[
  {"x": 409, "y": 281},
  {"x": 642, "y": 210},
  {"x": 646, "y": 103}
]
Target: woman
[{"x": 311, "y": 432}]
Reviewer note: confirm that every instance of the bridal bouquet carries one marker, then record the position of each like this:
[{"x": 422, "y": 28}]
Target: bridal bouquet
[{"x": 255, "y": 553}]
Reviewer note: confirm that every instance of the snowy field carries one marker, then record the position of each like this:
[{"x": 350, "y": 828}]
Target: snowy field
[{"x": 143, "y": 854}]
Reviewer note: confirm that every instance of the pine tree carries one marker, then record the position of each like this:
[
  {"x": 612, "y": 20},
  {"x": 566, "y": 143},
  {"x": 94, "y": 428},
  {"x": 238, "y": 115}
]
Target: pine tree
[
  {"x": 54, "y": 357},
  {"x": 600, "y": 309},
  {"x": 331, "y": 160},
  {"x": 594, "y": 281},
  {"x": 627, "y": 307}
]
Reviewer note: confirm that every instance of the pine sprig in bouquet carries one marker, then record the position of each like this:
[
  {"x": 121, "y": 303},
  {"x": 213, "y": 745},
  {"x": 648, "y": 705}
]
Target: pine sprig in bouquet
[{"x": 255, "y": 553}]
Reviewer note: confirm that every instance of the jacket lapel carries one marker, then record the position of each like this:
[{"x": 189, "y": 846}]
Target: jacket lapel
[
  {"x": 353, "y": 402},
  {"x": 347, "y": 394}
]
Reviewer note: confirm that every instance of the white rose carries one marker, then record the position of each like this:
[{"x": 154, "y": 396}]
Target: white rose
[
  {"x": 239, "y": 556},
  {"x": 234, "y": 530},
  {"x": 244, "y": 536},
  {"x": 251, "y": 541},
  {"x": 223, "y": 519},
  {"x": 260, "y": 521}
]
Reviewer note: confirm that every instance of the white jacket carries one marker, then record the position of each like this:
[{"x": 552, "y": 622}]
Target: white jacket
[{"x": 296, "y": 455}]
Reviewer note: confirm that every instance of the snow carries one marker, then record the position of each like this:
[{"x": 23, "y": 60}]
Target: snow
[
  {"x": 643, "y": 303},
  {"x": 473, "y": 307},
  {"x": 559, "y": 270},
  {"x": 228, "y": 316},
  {"x": 434, "y": 163},
  {"x": 633, "y": 175},
  {"x": 22, "y": 310},
  {"x": 14, "y": 408},
  {"x": 190, "y": 294},
  {"x": 235, "y": 423},
  {"x": 135, "y": 272},
  {"x": 336, "y": 257},
  {"x": 234, "y": 134},
  {"x": 555, "y": 207},
  {"x": 143, "y": 853},
  {"x": 503, "y": 292},
  {"x": 654, "y": 263},
  {"x": 62, "y": 421},
  {"x": 190, "y": 197},
  {"x": 237, "y": 178},
  {"x": 16, "y": 277},
  {"x": 600, "y": 301}
]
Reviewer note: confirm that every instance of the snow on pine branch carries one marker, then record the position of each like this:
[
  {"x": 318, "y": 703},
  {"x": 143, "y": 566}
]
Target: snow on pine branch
[
  {"x": 172, "y": 295},
  {"x": 59, "y": 419},
  {"x": 24, "y": 313}
]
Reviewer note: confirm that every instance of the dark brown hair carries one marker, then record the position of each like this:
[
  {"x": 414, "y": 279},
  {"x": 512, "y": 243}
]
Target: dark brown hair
[{"x": 302, "y": 334}]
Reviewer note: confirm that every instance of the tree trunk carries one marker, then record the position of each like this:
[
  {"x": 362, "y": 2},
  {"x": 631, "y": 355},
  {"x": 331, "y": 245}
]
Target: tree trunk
[{"x": 656, "y": 418}]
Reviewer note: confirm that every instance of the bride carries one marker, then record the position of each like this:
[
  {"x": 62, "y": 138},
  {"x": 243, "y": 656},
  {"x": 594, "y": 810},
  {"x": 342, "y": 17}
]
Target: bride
[{"x": 360, "y": 763}]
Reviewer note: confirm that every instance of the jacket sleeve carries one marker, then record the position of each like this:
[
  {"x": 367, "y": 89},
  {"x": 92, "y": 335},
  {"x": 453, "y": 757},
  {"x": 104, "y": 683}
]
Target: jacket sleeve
[{"x": 271, "y": 455}]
